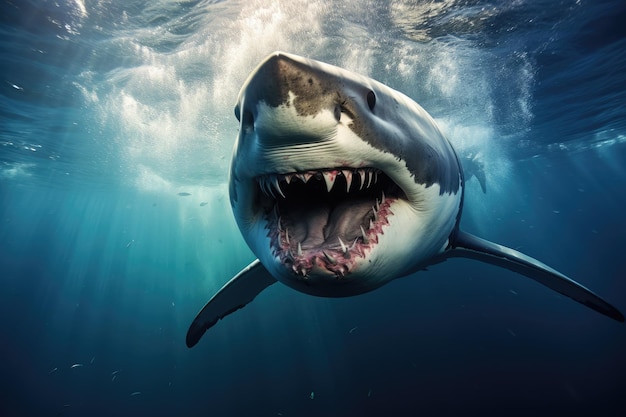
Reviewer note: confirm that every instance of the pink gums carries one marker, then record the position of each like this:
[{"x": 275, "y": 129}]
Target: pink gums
[{"x": 329, "y": 258}]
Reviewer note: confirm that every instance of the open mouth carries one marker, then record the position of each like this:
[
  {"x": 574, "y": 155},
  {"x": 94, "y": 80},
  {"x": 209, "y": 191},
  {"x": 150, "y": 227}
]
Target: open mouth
[{"x": 326, "y": 220}]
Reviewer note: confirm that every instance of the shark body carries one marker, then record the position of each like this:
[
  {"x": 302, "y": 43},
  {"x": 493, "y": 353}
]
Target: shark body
[{"x": 340, "y": 184}]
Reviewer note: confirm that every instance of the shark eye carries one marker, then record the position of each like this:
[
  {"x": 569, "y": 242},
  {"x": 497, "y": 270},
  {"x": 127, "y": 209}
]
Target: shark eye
[{"x": 371, "y": 99}]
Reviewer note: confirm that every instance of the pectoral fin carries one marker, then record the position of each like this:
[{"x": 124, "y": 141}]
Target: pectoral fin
[
  {"x": 469, "y": 246},
  {"x": 234, "y": 295}
]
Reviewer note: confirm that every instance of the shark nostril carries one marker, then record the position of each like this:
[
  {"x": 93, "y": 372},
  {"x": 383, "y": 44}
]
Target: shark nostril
[
  {"x": 337, "y": 112},
  {"x": 247, "y": 119}
]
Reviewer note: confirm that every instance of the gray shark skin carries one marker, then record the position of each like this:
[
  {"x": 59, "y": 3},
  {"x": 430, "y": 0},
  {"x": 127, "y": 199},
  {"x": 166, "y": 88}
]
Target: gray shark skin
[{"x": 340, "y": 184}]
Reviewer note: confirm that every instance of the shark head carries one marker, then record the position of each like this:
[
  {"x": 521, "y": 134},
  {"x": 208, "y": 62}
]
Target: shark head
[{"x": 339, "y": 183}]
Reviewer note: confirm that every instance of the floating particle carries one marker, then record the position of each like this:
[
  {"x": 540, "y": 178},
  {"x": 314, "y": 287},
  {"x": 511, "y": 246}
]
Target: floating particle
[
  {"x": 130, "y": 243},
  {"x": 183, "y": 194},
  {"x": 513, "y": 292},
  {"x": 312, "y": 395},
  {"x": 369, "y": 393},
  {"x": 92, "y": 359},
  {"x": 53, "y": 370},
  {"x": 352, "y": 330},
  {"x": 204, "y": 203},
  {"x": 77, "y": 365},
  {"x": 113, "y": 379},
  {"x": 114, "y": 372},
  {"x": 511, "y": 332},
  {"x": 135, "y": 393}
]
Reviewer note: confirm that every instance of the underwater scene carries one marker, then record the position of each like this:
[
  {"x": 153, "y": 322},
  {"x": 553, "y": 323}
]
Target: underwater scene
[{"x": 118, "y": 123}]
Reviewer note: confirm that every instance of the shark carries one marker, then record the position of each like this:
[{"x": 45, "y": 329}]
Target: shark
[{"x": 340, "y": 184}]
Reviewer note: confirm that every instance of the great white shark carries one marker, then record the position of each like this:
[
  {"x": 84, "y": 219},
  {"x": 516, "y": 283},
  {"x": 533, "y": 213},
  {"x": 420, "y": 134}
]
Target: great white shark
[{"x": 340, "y": 184}]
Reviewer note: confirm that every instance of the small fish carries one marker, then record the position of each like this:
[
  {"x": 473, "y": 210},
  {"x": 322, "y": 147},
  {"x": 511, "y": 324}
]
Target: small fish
[
  {"x": 53, "y": 370},
  {"x": 77, "y": 365},
  {"x": 135, "y": 393},
  {"x": 65, "y": 406},
  {"x": 183, "y": 194},
  {"x": 204, "y": 203}
]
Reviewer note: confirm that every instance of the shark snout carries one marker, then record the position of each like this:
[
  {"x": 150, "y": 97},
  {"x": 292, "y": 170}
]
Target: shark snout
[{"x": 284, "y": 80}]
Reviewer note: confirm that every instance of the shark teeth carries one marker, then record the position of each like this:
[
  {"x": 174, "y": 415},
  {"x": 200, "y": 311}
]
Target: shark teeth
[
  {"x": 282, "y": 198},
  {"x": 330, "y": 258},
  {"x": 329, "y": 179},
  {"x": 348, "y": 176},
  {"x": 270, "y": 184},
  {"x": 338, "y": 258},
  {"x": 364, "y": 237}
]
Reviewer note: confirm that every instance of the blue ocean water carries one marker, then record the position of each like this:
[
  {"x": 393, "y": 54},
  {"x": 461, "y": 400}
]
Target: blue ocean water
[{"x": 109, "y": 109}]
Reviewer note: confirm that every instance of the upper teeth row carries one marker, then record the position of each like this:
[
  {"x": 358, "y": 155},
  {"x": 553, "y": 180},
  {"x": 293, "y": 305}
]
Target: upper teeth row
[{"x": 270, "y": 184}]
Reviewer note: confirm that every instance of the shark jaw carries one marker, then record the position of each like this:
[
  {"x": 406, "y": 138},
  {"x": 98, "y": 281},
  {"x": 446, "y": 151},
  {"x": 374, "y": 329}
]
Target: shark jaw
[
  {"x": 326, "y": 221},
  {"x": 327, "y": 213},
  {"x": 341, "y": 231}
]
